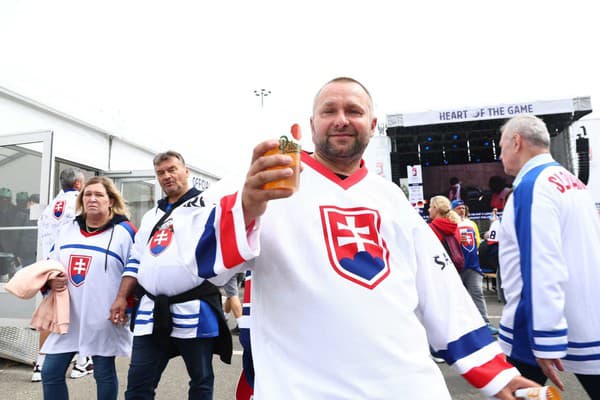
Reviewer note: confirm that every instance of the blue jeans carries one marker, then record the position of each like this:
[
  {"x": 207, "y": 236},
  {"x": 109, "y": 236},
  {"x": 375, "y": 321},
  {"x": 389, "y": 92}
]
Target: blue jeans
[
  {"x": 55, "y": 368},
  {"x": 149, "y": 359}
]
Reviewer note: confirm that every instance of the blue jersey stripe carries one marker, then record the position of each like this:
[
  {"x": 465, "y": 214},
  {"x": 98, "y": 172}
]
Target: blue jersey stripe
[
  {"x": 143, "y": 321},
  {"x": 184, "y": 316},
  {"x": 207, "y": 324},
  {"x": 467, "y": 344},
  {"x": 549, "y": 347},
  {"x": 589, "y": 357},
  {"x": 175, "y": 325},
  {"x": 558, "y": 333},
  {"x": 506, "y": 328},
  {"x": 505, "y": 338},
  {"x": 206, "y": 250},
  {"x": 523, "y": 322},
  {"x": 94, "y": 248},
  {"x": 582, "y": 345},
  {"x": 129, "y": 228}
]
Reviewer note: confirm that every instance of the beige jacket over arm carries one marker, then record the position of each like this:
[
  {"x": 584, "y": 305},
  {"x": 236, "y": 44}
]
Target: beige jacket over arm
[{"x": 53, "y": 312}]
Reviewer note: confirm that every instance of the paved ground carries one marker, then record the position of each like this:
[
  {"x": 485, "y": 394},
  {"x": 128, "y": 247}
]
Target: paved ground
[{"x": 15, "y": 378}]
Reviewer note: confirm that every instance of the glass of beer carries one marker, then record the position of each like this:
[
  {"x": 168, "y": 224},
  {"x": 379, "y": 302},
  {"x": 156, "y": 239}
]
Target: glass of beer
[
  {"x": 539, "y": 393},
  {"x": 288, "y": 145},
  {"x": 463, "y": 235}
]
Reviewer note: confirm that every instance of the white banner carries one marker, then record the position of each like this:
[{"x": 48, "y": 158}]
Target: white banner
[
  {"x": 414, "y": 174},
  {"x": 377, "y": 156},
  {"x": 501, "y": 111},
  {"x": 415, "y": 185}
]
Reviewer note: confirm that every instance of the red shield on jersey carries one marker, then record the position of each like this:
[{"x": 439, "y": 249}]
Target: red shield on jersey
[
  {"x": 59, "y": 208},
  {"x": 469, "y": 245},
  {"x": 355, "y": 247},
  {"x": 160, "y": 240},
  {"x": 78, "y": 268}
]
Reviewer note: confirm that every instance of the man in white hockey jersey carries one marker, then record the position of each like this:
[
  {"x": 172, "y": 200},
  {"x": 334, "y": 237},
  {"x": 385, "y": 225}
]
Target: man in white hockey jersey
[
  {"x": 331, "y": 262},
  {"x": 61, "y": 209},
  {"x": 179, "y": 313},
  {"x": 549, "y": 257},
  {"x": 59, "y": 212}
]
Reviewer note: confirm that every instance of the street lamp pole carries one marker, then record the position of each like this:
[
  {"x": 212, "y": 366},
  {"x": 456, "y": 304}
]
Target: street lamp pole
[{"x": 262, "y": 93}]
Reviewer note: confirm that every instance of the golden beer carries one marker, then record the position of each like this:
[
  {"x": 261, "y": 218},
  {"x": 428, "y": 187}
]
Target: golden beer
[{"x": 291, "y": 147}]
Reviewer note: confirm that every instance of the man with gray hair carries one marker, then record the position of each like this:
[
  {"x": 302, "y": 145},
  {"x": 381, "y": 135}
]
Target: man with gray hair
[
  {"x": 549, "y": 255},
  {"x": 59, "y": 212},
  {"x": 178, "y": 313}
]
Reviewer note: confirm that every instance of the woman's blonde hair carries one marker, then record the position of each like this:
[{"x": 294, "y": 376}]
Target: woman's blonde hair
[
  {"x": 118, "y": 208},
  {"x": 442, "y": 203}
]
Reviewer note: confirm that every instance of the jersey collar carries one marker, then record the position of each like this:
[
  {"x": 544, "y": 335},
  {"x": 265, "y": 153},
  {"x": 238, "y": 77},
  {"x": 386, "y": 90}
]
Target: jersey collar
[
  {"x": 347, "y": 183},
  {"x": 529, "y": 165}
]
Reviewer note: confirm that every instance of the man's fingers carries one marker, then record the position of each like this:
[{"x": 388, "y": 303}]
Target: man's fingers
[
  {"x": 119, "y": 317},
  {"x": 59, "y": 283},
  {"x": 550, "y": 367},
  {"x": 264, "y": 169},
  {"x": 270, "y": 175},
  {"x": 274, "y": 162},
  {"x": 559, "y": 365},
  {"x": 553, "y": 376},
  {"x": 262, "y": 148}
]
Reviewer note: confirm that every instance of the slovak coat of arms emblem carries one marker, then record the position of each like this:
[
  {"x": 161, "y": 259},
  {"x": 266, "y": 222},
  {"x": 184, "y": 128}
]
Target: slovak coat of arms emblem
[{"x": 355, "y": 247}]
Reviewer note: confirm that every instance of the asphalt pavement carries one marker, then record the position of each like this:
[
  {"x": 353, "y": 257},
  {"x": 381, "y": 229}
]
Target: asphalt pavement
[{"x": 15, "y": 378}]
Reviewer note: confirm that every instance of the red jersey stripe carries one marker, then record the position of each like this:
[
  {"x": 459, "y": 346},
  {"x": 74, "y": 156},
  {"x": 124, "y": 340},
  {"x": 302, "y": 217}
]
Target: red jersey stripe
[
  {"x": 482, "y": 375},
  {"x": 231, "y": 254}
]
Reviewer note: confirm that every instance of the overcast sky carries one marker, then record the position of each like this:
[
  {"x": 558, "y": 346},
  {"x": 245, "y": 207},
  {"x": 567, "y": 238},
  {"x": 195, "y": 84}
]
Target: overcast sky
[{"x": 182, "y": 74}]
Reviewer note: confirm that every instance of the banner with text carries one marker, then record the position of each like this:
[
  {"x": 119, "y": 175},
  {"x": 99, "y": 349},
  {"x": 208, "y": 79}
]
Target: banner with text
[{"x": 500, "y": 111}]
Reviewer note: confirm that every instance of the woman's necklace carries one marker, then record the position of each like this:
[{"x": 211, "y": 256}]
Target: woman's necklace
[{"x": 90, "y": 229}]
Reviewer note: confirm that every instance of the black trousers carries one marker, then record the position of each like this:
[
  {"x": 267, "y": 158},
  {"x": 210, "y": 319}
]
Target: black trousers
[{"x": 590, "y": 383}]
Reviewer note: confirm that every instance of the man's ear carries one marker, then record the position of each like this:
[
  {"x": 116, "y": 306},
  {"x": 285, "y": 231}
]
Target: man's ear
[
  {"x": 373, "y": 126},
  {"x": 517, "y": 141}
]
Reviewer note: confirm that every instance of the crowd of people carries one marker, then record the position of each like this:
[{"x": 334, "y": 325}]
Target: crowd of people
[
  {"x": 341, "y": 254},
  {"x": 479, "y": 198}
]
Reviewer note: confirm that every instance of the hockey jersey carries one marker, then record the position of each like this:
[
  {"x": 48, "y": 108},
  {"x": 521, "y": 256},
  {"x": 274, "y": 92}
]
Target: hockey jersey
[
  {"x": 470, "y": 246},
  {"x": 94, "y": 264},
  {"x": 59, "y": 212},
  {"x": 329, "y": 266},
  {"x": 492, "y": 237},
  {"x": 165, "y": 263},
  {"x": 549, "y": 254}
]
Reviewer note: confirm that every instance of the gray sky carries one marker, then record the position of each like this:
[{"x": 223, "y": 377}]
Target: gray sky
[{"x": 181, "y": 74}]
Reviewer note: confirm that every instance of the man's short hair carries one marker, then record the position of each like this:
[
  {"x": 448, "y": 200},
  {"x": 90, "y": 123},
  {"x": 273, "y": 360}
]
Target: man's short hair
[
  {"x": 344, "y": 79},
  {"x": 160, "y": 157},
  {"x": 531, "y": 128},
  {"x": 68, "y": 177}
]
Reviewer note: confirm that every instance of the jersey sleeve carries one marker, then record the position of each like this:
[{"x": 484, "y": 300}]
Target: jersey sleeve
[
  {"x": 454, "y": 327},
  {"x": 211, "y": 238},
  {"x": 135, "y": 252},
  {"x": 128, "y": 234},
  {"x": 544, "y": 275}
]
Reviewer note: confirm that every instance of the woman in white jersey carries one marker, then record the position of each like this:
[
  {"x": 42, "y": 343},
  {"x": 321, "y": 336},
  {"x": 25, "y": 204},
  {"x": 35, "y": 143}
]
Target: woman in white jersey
[{"x": 94, "y": 249}]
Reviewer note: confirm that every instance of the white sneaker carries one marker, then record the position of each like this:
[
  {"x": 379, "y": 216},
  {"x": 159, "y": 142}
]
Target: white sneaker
[
  {"x": 37, "y": 373},
  {"x": 79, "y": 371}
]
